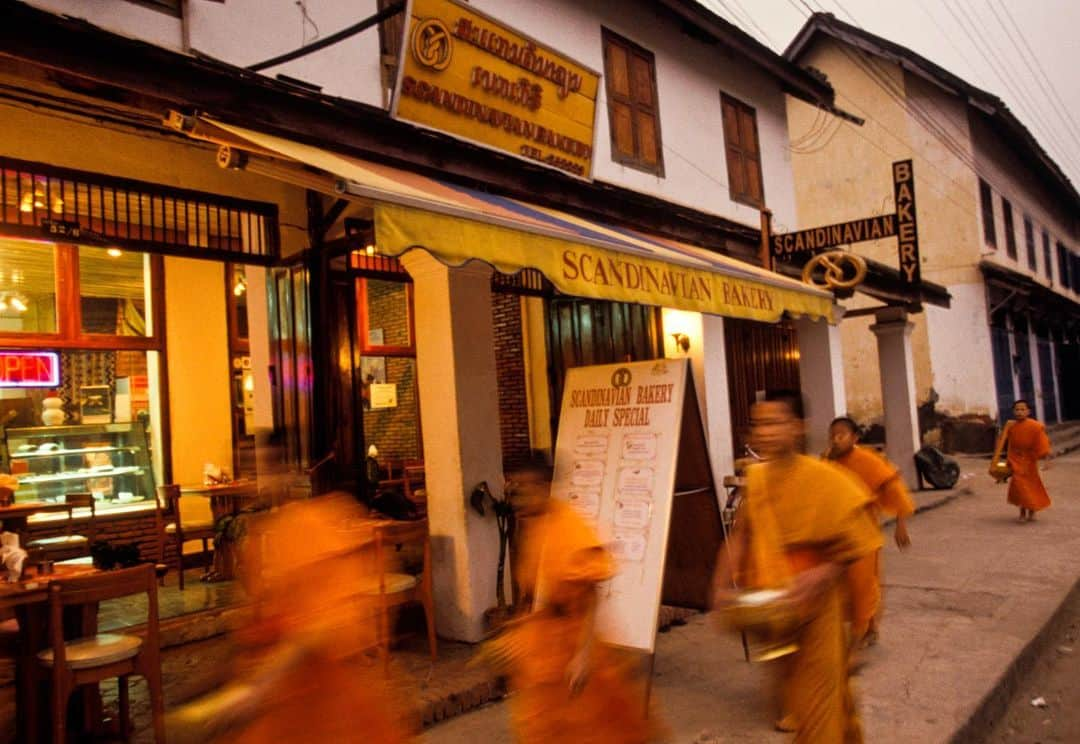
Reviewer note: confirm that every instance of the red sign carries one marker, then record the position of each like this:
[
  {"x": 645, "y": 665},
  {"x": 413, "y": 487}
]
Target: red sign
[{"x": 29, "y": 369}]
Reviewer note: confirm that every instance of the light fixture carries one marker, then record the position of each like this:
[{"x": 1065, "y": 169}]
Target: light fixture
[
  {"x": 115, "y": 252},
  {"x": 18, "y": 303},
  {"x": 370, "y": 249},
  {"x": 32, "y": 200},
  {"x": 3, "y": 304},
  {"x": 682, "y": 341},
  {"x": 239, "y": 284}
]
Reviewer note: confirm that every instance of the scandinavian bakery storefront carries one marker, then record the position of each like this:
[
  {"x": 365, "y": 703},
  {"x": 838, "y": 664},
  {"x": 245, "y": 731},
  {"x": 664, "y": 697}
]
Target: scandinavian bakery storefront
[{"x": 451, "y": 241}]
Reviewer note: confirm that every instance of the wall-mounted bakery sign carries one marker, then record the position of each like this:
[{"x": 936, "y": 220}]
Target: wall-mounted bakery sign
[
  {"x": 29, "y": 369},
  {"x": 466, "y": 74},
  {"x": 901, "y": 223}
]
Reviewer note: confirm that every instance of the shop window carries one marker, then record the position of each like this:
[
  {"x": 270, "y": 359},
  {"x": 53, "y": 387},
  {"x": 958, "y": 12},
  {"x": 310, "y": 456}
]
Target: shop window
[
  {"x": 105, "y": 440},
  {"x": 1010, "y": 229},
  {"x": 1029, "y": 243},
  {"x": 633, "y": 108},
  {"x": 114, "y": 291},
  {"x": 743, "y": 152},
  {"x": 986, "y": 198},
  {"x": 27, "y": 287},
  {"x": 388, "y": 376}
]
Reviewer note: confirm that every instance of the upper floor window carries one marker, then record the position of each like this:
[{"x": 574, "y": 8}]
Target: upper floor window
[
  {"x": 172, "y": 7},
  {"x": 1048, "y": 257},
  {"x": 1010, "y": 229},
  {"x": 986, "y": 196},
  {"x": 743, "y": 152},
  {"x": 1063, "y": 265},
  {"x": 1029, "y": 243},
  {"x": 633, "y": 108}
]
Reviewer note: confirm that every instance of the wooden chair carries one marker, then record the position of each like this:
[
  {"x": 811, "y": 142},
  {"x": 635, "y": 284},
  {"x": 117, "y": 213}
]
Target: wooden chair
[
  {"x": 188, "y": 517},
  {"x": 393, "y": 589},
  {"x": 88, "y": 661},
  {"x": 69, "y": 545}
]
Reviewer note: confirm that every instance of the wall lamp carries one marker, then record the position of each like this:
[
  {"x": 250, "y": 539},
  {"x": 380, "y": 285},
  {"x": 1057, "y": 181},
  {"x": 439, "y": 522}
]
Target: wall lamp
[{"x": 682, "y": 341}]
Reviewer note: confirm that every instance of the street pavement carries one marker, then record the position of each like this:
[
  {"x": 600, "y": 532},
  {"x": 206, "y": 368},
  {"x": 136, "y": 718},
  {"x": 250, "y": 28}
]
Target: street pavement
[{"x": 965, "y": 610}]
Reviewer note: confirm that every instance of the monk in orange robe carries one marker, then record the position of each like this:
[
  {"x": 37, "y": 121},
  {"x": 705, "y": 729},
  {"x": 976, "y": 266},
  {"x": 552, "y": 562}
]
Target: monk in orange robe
[
  {"x": 1028, "y": 444},
  {"x": 801, "y": 523},
  {"x": 570, "y": 688},
  {"x": 307, "y": 567},
  {"x": 890, "y": 497}
]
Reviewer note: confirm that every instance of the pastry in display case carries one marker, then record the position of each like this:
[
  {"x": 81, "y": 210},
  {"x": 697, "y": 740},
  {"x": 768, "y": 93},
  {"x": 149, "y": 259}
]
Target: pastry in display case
[{"x": 110, "y": 461}]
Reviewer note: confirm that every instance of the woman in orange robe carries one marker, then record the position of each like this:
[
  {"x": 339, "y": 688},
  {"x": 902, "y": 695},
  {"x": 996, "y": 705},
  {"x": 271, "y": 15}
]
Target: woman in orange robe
[
  {"x": 569, "y": 687},
  {"x": 1028, "y": 444},
  {"x": 891, "y": 497}
]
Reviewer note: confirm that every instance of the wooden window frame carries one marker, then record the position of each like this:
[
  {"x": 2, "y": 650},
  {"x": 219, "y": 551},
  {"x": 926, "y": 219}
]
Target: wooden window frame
[
  {"x": 69, "y": 333},
  {"x": 1010, "y": 228},
  {"x": 744, "y": 197},
  {"x": 986, "y": 202},
  {"x": 1063, "y": 266},
  {"x": 634, "y": 161},
  {"x": 1048, "y": 255},
  {"x": 1029, "y": 244},
  {"x": 366, "y": 347}
]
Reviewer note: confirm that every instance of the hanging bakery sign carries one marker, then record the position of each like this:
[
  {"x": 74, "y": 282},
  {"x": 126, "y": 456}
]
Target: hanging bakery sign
[
  {"x": 466, "y": 74},
  {"x": 901, "y": 224}
]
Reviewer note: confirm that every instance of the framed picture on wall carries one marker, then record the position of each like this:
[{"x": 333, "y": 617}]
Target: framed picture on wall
[
  {"x": 372, "y": 372},
  {"x": 95, "y": 404}
]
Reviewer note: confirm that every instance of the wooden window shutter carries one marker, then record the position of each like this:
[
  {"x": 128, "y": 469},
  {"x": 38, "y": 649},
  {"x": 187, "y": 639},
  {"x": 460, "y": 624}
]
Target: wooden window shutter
[
  {"x": 743, "y": 152},
  {"x": 632, "y": 105}
]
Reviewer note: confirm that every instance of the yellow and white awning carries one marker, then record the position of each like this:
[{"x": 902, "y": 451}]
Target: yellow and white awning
[{"x": 578, "y": 256}]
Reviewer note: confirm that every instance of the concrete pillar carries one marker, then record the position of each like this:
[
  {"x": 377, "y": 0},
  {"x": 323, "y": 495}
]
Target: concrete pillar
[
  {"x": 459, "y": 404},
  {"x": 893, "y": 331},
  {"x": 821, "y": 375},
  {"x": 708, "y": 363},
  {"x": 1036, "y": 372}
]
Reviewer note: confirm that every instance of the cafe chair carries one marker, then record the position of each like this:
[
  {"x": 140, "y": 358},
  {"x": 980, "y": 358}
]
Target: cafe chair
[
  {"x": 392, "y": 589},
  {"x": 69, "y": 664},
  {"x": 69, "y": 545},
  {"x": 189, "y": 521}
]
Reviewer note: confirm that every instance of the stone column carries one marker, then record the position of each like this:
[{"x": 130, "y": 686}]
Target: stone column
[
  {"x": 821, "y": 375},
  {"x": 459, "y": 405},
  {"x": 893, "y": 331}
]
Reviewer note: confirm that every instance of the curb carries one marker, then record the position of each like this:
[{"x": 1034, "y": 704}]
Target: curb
[{"x": 996, "y": 702}]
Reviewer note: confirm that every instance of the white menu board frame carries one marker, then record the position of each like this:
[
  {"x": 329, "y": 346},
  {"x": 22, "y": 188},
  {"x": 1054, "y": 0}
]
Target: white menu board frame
[{"x": 624, "y": 489}]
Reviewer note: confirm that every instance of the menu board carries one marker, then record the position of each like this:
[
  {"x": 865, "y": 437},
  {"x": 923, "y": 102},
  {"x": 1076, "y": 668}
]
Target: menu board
[{"x": 615, "y": 463}]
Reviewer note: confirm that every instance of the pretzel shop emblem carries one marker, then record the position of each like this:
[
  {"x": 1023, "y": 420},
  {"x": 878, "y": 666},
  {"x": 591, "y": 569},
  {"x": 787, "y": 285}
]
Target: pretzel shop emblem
[
  {"x": 834, "y": 270},
  {"x": 432, "y": 45}
]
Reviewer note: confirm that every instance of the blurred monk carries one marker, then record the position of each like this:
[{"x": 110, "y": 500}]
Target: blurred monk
[
  {"x": 1028, "y": 444},
  {"x": 802, "y": 522},
  {"x": 305, "y": 567},
  {"x": 890, "y": 497},
  {"x": 570, "y": 687}
]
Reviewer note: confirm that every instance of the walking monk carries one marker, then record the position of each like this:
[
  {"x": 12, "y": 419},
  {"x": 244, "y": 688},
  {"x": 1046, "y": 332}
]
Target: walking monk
[
  {"x": 570, "y": 689},
  {"x": 891, "y": 497},
  {"x": 1028, "y": 444},
  {"x": 802, "y": 522}
]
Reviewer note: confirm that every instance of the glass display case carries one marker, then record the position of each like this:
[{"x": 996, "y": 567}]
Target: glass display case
[{"x": 110, "y": 461}]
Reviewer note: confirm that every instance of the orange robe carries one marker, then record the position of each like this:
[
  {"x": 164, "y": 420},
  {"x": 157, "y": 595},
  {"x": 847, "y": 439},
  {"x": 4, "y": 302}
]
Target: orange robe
[
  {"x": 891, "y": 497},
  {"x": 311, "y": 608},
  {"x": 1028, "y": 444},
  {"x": 562, "y": 562},
  {"x": 796, "y": 515}
]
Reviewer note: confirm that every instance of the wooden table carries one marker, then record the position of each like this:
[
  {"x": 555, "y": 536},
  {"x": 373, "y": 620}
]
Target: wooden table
[
  {"x": 29, "y": 599},
  {"x": 225, "y": 499}
]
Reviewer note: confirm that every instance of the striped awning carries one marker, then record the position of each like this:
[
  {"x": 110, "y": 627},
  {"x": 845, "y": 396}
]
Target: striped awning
[{"x": 579, "y": 257}]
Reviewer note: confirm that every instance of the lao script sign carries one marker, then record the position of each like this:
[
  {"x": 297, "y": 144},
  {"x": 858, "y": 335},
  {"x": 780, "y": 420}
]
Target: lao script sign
[{"x": 467, "y": 74}]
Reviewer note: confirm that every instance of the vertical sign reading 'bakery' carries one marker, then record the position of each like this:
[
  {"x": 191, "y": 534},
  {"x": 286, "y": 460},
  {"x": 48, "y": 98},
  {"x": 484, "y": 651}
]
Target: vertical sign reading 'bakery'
[{"x": 467, "y": 74}]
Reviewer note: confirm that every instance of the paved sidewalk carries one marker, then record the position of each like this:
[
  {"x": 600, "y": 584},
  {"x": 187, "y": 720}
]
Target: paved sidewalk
[{"x": 965, "y": 608}]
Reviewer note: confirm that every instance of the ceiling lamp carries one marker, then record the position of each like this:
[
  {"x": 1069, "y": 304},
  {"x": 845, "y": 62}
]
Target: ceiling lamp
[
  {"x": 115, "y": 252},
  {"x": 239, "y": 285},
  {"x": 18, "y": 303}
]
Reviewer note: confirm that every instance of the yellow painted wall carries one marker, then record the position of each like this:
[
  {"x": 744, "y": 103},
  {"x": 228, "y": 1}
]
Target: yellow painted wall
[
  {"x": 843, "y": 172},
  {"x": 62, "y": 140},
  {"x": 198, "y": 361}
]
